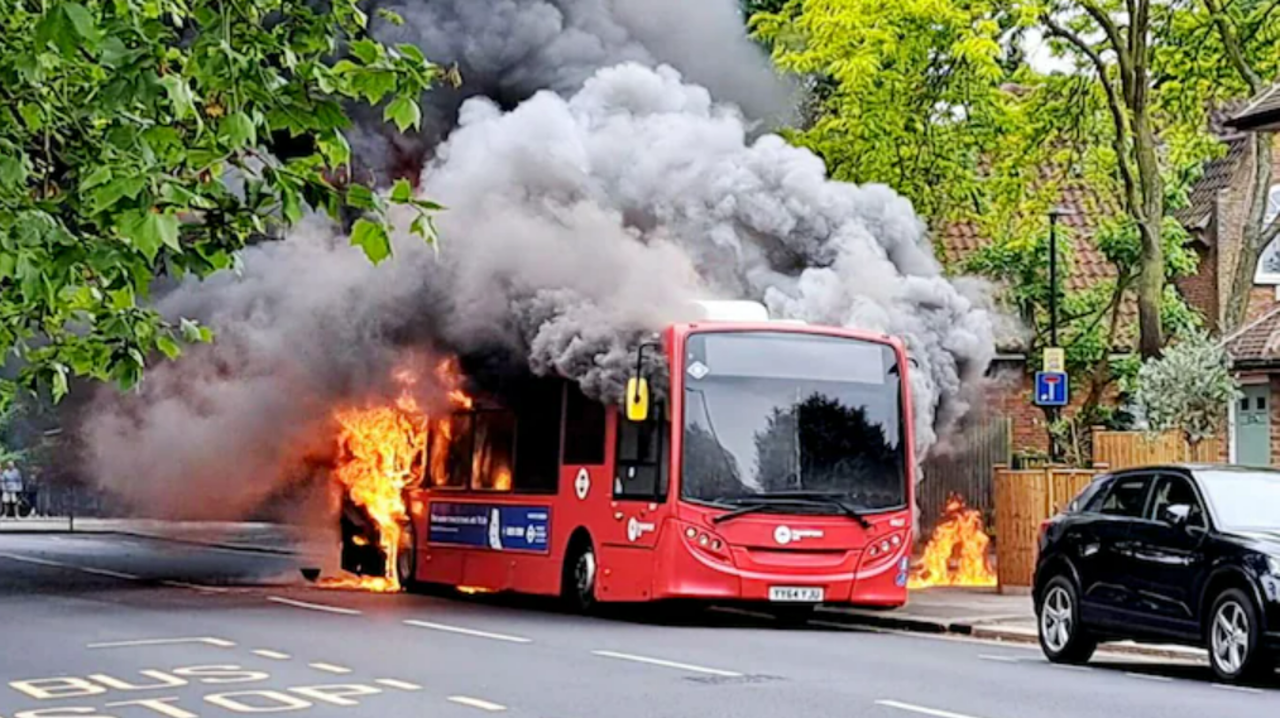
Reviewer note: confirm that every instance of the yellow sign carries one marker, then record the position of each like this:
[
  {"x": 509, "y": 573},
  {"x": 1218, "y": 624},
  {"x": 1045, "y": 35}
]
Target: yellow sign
[{"x": 1055, "y": 359}]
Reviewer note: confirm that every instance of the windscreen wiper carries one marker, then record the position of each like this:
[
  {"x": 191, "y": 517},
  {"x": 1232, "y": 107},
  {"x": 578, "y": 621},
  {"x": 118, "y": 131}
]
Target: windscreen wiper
[
  {"x": 845, "y": 507},
  {"x": 742, "y": 511},
  {"x": 772, "y": 501}
]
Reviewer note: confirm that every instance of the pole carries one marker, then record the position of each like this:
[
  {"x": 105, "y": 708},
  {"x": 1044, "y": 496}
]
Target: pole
[
  {"x": 1053, "y": 278},
  {"x": 1054, "y": 455}
]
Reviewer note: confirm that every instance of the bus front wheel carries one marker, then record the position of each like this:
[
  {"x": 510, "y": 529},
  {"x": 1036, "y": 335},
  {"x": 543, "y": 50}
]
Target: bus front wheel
[
  {"x": 578, "y": 586},
  {"x": 407, "y": 558}
]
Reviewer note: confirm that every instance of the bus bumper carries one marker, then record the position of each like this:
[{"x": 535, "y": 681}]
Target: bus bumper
[{"x": 685, "y": 570}]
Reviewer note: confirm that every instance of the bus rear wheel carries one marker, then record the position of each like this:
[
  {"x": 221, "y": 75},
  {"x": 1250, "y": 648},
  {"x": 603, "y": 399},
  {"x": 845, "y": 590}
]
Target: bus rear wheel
[{"x": 578, "y": 584}]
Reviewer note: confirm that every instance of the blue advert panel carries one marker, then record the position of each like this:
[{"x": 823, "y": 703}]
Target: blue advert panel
[{"x": 498, "y": 527}]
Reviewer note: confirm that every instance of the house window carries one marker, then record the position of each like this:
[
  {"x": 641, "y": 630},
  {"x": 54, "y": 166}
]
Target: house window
[{"x": 1269, "y": 263}]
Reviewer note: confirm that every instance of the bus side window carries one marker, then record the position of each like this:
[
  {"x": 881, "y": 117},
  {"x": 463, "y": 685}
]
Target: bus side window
[
  {"x": 641, "y": 461},
  {"x": 538, "y": 438},
  {"x": 583, "y": 428}
]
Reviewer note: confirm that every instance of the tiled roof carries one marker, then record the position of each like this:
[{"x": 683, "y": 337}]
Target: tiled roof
[
  {"x": 1257, "y": 342},
  {"x": 959, "y": 240},
  {"x": 1217, "y": 177},
  {"x": 1261, "y": 110}
]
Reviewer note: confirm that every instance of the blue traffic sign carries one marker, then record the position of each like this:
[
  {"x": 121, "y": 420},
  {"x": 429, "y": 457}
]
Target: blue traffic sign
[{"x": 1051, "y": 388}]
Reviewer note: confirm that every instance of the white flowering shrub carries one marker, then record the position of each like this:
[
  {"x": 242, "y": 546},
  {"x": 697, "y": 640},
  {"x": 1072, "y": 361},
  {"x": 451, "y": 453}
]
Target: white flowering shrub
[{"x": 1189, "y": 389}]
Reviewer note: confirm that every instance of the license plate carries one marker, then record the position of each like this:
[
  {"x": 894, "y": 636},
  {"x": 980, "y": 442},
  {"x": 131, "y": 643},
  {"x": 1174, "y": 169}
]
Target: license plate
[{"x": 795, "y": 594}]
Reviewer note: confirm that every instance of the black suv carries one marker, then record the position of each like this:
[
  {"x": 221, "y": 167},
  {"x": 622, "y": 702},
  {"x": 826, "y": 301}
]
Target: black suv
[{"x": 1176, "y": 554}]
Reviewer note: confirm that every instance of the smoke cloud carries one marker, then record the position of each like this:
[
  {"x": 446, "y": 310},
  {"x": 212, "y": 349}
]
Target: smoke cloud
[{"x": 585, "y": 209}]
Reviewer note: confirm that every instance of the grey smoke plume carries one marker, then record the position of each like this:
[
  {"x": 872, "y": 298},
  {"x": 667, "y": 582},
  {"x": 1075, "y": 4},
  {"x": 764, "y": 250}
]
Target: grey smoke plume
[
  {"x": 509, "y": 49},
  {"x": 578, "y": 220}
]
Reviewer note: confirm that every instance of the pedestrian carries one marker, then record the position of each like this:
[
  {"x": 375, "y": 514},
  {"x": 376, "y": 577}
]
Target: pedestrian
[{"x": 10, "y": 489}]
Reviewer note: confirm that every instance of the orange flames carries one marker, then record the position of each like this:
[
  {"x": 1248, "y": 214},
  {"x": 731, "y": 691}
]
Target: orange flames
[
  {"x": 382, "y": 450},
  {"x": 957, "y": 553}
]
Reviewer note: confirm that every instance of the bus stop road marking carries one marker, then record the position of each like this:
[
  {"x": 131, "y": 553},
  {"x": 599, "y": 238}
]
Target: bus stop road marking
[
  {"x": 477, "y": 703},
  {"x": 936, "y": 713},
  {"x": 668, "y": 664},
  {"x": 467, "y": 631},
  {"x": 219, "y": 642},
  {"x": 314, "y": 606}
]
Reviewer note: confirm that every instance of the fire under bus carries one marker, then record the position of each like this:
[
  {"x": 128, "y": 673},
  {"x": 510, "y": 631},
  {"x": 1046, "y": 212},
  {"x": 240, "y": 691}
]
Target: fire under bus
[{"x": 778, "y": 469}]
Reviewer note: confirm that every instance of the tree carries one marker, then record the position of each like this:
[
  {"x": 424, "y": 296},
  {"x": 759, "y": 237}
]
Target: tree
[
  {"x": 1235, "y": 55},
  {"x": 1189, "y": 389},
  {"x": 1164, "y": 68},
  {"x": 118, "y": 122},
  {"x": 938, "y": 100},
  {"x": 914, "y": 93}
]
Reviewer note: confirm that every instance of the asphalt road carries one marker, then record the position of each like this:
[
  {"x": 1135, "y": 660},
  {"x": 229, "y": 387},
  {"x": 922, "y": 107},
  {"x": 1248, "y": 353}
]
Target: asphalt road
[{"x": 108, "y": 626}]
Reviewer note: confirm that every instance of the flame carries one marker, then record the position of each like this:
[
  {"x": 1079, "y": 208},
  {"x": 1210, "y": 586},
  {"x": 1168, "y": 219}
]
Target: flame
[
  {"x": 383, "y": 448},
  {"x": 957, "y": 553}
]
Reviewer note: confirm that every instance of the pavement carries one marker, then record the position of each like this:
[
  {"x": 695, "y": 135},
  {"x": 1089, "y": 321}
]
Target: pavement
[{"x": 129, "y": 626}]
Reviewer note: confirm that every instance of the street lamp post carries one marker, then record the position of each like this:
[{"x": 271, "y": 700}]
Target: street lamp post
[{"x": 1055, "y": 454}]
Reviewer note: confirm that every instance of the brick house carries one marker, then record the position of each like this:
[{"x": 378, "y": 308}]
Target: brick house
[
  {"x": 1215, "y": 220},
  {"x": 1253, "y": 432}
]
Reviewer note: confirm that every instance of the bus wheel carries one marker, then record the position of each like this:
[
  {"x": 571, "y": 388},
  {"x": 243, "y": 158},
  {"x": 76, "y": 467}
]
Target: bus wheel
[
  {"x": 578, "y": 586},
  {"x": 407, "y": 558}
]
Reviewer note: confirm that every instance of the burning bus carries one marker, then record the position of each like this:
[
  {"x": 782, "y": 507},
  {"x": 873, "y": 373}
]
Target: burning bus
[{"x": 752, "y": 460}]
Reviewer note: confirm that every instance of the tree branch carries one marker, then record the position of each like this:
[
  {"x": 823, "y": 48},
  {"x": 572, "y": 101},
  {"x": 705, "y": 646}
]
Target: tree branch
[
  {"x": 1113, "y": 103},
  {"x": 1116, "y": 38},
  {"x": 1231, "y": 42}
]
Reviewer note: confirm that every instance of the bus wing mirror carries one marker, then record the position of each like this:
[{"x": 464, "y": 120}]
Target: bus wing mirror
[{"x": 637, "y": 399}]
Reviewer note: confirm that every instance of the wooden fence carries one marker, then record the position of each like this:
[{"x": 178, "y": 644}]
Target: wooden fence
[
  {"x": 965, "y": 469},
  {"x": 1126, "y": 449},
  {"x": 1024, "y": 499}
]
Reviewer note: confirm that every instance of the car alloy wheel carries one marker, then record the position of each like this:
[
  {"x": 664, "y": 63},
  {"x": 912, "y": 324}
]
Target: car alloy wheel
[
  {"x": 1057, "y": 619},
  {"x": 1230, "y": 638}
]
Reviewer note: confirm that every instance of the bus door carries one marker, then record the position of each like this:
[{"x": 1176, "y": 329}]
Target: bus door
[{"x": 639, "y": 505}]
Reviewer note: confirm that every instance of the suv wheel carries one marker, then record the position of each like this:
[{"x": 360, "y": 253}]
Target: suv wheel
[
  {"x": 1062, "y": 637},
  {"x": 1233, "y": 638}
]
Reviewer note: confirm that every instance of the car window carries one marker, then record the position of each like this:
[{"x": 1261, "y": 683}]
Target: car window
[
  {"x": 1172, "y": 491},
  {"x": 1127, "y": 497},
  {"x": 1090, "y": 499}
]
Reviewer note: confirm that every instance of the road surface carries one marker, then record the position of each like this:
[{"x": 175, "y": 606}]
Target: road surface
[{"x": 128, "y": 627}]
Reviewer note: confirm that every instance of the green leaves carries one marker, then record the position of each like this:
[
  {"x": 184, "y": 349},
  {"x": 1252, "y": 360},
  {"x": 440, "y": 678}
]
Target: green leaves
[
  {"x": 142, "y": 139},
  {"x": 372, "y": 238},
  {"x": 238, "y": 130},
  {"x": 148, "y": 230},
  {"x": 405, "y": 112},
  {"x": 69, "y": 26}
]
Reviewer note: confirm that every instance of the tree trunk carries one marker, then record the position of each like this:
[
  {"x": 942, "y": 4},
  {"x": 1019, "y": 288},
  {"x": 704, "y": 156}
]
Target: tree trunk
[
  {"x": 1150, "y": 290},
  {"x": 1255, "y": 237}
]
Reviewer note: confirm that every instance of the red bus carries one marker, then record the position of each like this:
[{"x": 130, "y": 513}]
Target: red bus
[{"x": 778, "y": 468}]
